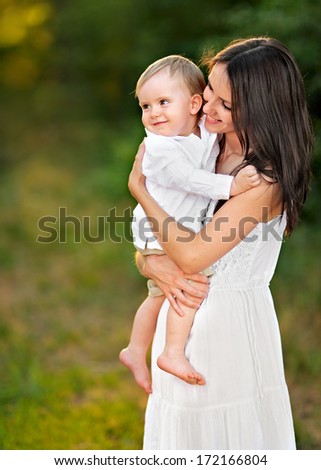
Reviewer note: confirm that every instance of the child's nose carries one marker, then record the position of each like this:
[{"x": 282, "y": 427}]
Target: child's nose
[{"x": 155, "y": 111}]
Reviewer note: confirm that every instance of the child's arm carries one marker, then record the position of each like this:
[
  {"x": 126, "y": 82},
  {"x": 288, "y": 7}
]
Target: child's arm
[
  {"x": 172, "y": 169},
  {"x": 204, "y": 248}
]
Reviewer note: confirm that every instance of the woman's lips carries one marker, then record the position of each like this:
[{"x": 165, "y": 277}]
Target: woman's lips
[{"x": 212, "y": 120}]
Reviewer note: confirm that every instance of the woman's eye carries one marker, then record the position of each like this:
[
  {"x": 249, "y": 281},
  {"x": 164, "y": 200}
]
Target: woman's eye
[
  {"x": 225, "y": 106},
  {"x": 209, "y": 86}
]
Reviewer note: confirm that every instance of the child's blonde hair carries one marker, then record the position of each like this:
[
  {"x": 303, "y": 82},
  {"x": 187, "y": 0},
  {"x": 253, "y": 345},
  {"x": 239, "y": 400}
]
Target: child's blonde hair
[{"x": 187, "y": 71}]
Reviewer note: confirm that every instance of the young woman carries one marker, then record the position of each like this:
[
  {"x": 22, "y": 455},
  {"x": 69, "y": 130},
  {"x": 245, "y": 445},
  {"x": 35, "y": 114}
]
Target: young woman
[{"x": 255, "y": 99}]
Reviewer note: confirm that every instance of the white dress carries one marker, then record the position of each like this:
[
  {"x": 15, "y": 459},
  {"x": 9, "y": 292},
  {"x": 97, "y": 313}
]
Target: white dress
[{"x": 235, "y": 343}]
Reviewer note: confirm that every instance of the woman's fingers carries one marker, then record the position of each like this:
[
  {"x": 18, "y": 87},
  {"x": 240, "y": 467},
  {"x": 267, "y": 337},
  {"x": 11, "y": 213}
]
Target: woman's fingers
[
  {"x": 188, "y": 301},
  {"x": 136, "y": 181},
  {"x": 189, "y": 290},
  {"x": 198, "y": 277},
  {"x": 141, "y": 151},
  {"x": 194, "y": 288},
  {"x": 173, "y": 302}
]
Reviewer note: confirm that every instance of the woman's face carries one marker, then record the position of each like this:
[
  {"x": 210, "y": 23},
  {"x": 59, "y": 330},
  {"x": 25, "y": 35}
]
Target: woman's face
[{"x": 219, "y": 104}]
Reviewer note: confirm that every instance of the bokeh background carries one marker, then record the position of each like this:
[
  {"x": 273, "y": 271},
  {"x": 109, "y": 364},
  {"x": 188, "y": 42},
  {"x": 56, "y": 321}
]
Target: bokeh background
[{"x": 70, "y": 127}]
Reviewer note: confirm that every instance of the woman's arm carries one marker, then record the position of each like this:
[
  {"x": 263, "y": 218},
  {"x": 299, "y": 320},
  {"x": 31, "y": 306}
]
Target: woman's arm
[
  {"x": 194, "y": 252},
  {"x": 177, "y": 287}
]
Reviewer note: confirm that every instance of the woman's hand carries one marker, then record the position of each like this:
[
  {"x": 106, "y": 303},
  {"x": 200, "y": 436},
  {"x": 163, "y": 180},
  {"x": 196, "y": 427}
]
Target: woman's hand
[
  {"x": 136, "y": 181},
  {"x": 189, "y": 290}
]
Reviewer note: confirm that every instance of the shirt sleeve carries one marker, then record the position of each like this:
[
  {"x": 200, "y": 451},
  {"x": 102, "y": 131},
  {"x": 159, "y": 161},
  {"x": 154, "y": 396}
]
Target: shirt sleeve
[{"x": 170, "y": 168}]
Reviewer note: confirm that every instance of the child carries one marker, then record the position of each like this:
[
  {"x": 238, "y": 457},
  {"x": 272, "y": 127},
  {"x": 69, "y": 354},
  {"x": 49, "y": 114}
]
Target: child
[{"x": 178, "y": 164}]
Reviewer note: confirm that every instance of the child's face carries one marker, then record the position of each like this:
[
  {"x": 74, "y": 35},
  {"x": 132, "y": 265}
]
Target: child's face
[{"x": 167, "y": 105}]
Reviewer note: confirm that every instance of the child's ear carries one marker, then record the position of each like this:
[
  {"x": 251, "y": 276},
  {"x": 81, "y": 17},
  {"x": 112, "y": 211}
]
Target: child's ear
[{"x": 196, "y": 103}]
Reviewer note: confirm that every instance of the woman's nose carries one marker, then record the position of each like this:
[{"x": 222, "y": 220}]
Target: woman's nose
[
  {"x": 206, "y": 107},
  {"x": 209, "y": 106}
]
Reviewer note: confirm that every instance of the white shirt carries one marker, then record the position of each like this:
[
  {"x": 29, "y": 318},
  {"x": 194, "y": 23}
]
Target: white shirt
[{"x": 179, "y": 176}]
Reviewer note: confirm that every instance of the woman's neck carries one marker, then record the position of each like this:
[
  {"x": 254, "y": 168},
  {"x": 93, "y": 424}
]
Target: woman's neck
[
  {"x": 231, "y": 154},
  {"x": 232, "y": 146}
]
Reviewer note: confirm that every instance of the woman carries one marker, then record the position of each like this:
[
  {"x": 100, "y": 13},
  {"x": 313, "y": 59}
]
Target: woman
[{"x": 255, "y": 99}]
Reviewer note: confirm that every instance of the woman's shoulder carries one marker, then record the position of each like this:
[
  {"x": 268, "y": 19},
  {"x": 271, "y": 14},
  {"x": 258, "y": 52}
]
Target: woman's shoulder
[
  {"x": 259, "y": 204},
  {"x": 266, "y": 197}
]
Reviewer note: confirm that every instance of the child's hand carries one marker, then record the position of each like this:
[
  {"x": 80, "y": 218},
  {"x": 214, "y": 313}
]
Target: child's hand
[{"x": 246, "y": 178}]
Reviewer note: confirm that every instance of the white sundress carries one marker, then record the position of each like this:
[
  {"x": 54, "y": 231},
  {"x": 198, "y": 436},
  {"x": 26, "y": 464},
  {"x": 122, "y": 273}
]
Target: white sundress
[{"x": 235, "y": 343}]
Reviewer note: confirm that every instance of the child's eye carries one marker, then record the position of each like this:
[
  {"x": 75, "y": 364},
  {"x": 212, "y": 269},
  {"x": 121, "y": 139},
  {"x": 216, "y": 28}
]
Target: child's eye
[
  {"x": 145, "y": 106},
  {"x": 162, "y": 102}
]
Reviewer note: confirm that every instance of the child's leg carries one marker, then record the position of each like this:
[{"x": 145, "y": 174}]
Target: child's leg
[
  {"x": 172, "y": 359},
  {"x": 134, "y": 356}
]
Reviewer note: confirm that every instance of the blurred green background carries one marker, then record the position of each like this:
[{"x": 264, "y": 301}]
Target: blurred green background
[{"x": 70, "y": 127}]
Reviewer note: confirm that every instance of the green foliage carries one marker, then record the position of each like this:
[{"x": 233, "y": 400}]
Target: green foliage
[{"x": 70, "y": 128}]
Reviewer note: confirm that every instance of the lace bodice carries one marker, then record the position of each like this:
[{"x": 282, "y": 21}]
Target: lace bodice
[{"x": 252, "y": 262}]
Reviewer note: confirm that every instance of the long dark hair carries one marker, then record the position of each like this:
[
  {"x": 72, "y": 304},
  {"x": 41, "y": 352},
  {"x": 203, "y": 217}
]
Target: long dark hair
[{"x": 270, "y": 116}]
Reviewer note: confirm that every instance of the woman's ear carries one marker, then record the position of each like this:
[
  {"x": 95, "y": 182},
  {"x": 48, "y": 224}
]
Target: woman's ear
[{"x": 196, "y": 103}]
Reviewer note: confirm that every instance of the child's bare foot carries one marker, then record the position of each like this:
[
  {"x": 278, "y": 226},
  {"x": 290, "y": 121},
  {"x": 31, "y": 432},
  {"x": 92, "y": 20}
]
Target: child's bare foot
[
  {"x": 136, "y": 363},
  {"x": 181, "y": 368}
]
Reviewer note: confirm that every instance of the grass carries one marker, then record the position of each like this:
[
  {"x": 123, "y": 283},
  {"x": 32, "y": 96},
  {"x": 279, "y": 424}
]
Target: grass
[
  {"x": 66, "y": 308},
  {"x": 65, "y": 314},
  {"x": 296, "y": 289}
]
